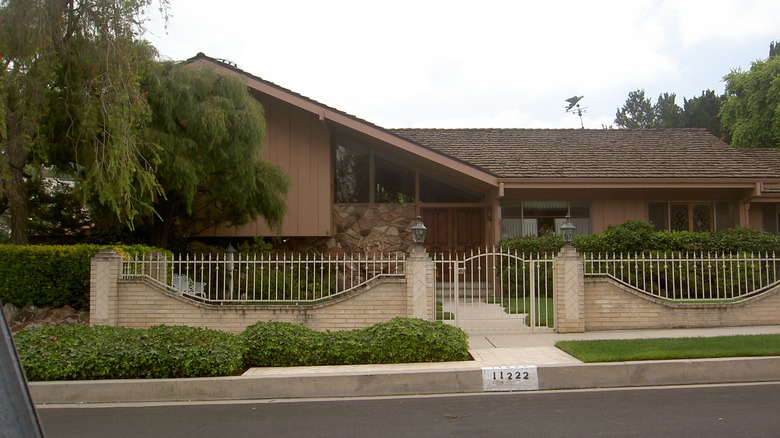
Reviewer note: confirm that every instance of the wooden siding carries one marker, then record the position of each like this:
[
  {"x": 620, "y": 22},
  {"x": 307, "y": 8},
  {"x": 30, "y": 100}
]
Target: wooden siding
[
  {"x": 299, "y": 142},
  {"x": 606, "y": 213}
]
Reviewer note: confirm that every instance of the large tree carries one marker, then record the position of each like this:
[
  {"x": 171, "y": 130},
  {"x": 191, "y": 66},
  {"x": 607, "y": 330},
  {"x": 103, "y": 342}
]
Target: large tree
[
  {"x": 70, "y": 92},
  {"x": 210, "y": 131},
  {"x": 751, "y": 111},
  {"x": 702, "y": 112},
  {"x": 637, "y": 113}
]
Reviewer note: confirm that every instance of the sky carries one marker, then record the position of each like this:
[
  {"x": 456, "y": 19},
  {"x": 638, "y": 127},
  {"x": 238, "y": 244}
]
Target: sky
[{"x": 476, "y": 64}]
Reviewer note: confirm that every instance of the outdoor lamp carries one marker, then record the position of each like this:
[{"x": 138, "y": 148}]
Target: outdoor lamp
[
  {"x": 567, "y": 231},
  {"x": 418, "y": 232},
  {"x": 230, "y": 256}
]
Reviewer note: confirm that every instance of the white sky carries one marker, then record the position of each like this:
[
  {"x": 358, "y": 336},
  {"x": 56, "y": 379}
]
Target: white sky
[{"x": 477, "y": 64}]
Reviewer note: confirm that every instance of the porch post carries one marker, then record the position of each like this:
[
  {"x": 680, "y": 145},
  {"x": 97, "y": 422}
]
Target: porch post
[
  {"x": 569, "y": 292},
  {"x": 104, "y": 274},
  {"x": 419, "y": 285}
]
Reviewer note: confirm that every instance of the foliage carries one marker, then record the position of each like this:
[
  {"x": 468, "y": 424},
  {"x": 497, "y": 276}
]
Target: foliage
[
  {"x": 751, "y": 112},
  {"x": 639, "y": 112},
  {"x": 79, "y": 352},
  {"x": 43, "y": 275},
  {"x": 396, "y": 341},
  {"x": 210, "y": 131},
  {"x": 702, "y": 112},
  {"x": 639, "y": 236},
  {"x": 621, "y": 350},
  {"x": 71, "y": 96}
]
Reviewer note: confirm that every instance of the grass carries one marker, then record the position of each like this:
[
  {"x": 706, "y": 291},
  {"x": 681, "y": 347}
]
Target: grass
[
  {"x": 545, "y": 313},
  {"x": 441, "y": 315},
  {"x": 672, "y": 348}
]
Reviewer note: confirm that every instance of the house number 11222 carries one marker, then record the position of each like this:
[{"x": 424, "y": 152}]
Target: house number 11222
[{"x": 510, "y": 378}]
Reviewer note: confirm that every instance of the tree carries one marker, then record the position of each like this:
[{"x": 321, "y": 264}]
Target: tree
[
  {"x": 667, "y": 113},
  {"x": 70, "y": 92},
  {"x": 210, "y": 131},
  {"x": 702, "y": 112},
  {"x": 637, "y": 113},
  {"x": 751, "y": 111}
]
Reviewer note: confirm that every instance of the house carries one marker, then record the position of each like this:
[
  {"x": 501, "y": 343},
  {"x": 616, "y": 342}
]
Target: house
[{"x": 357, "y": 187}]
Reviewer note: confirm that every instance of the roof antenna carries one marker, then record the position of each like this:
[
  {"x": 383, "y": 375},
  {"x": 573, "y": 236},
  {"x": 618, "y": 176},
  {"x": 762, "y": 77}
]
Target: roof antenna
[{"x": 574, "y": 108}]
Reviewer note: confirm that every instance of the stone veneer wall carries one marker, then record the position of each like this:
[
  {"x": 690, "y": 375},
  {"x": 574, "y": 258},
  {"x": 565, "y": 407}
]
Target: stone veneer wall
[
  {"x": 612, "y": 306},
  {"x": 141, "y": 305}
]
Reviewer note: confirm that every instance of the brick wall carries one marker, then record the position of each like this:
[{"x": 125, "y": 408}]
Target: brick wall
[
  {"x": 141, "y": 304},
  {"x": 612, "y": 306}
]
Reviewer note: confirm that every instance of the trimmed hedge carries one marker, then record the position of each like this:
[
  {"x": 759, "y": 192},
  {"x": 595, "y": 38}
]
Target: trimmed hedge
[
  {"x": 51, "y": 275},
  {"x": 79, "y": 352},
  {"x": 638, "y": 237},
  {"x": 400, "y": 340}
]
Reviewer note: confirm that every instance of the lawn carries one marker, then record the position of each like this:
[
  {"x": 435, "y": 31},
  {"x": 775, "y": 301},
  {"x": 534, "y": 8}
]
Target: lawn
[
  {"x": 545, "y": 313},
  {"x": 672, "y": 348}
]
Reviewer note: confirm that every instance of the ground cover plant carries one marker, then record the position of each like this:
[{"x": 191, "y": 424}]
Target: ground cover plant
[
  {"x": 621, "y": 350},
  {"x": 79, "y": 352}
]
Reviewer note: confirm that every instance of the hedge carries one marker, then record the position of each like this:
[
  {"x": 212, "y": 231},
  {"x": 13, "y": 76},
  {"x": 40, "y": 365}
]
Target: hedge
[
  {"x": 400, "y": 340},
  {"x": 78, "y": 352},
  {"x": 51, "y": 275},
  {"x": 638, "y": 237}
]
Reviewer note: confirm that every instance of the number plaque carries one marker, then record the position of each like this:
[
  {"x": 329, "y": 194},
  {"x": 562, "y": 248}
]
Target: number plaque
[{"x": 510, "y": 378}]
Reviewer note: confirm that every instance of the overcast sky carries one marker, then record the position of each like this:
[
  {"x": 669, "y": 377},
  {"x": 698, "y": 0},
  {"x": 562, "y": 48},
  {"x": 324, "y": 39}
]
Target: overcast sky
[{"x": 477, "y": 64}]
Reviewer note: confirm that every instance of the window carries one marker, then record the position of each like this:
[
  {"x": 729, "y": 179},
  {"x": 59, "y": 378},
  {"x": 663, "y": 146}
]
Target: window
[
  {"x": 433, "y": 190},
  {"x": 365, "y": 177},
  {"x": 541, "y": 218},
  {"x": 692, "y": 216}
]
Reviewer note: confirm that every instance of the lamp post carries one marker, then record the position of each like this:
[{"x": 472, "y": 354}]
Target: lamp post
[
  {"x": 230, "y": 257},
  {"x": 418, "y": 233},
  {"x": 567, "y": 231}
]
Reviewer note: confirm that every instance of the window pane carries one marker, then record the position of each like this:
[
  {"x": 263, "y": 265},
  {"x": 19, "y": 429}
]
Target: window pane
[
  {"x": 433, "y": 190},
  {"x": 725, "y": 215},
  {"x": 545, "y": 209},
  {"x": 657, "y": 214},
  {"x": 394, "y": 183},
  {"x": 702, "y": 218},
  {"x": 679, "y": 217},
  {"x": 352, "y": 175}
]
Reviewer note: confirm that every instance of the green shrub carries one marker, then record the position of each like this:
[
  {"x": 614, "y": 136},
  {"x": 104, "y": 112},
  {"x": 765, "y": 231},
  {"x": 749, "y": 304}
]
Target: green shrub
[
  {"x": 80, "y": 352},
  {"x": 533, "y": 244},
  {"x": 399, "y": 340},
  {"x": 50, "y": 275}
]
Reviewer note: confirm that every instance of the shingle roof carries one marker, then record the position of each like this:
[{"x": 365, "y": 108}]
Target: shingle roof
[{"x": 583, "y": 153}]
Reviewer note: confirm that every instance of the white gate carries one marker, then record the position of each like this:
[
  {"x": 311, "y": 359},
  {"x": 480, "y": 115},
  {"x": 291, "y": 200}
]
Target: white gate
[{"x": 495, "y": 291}]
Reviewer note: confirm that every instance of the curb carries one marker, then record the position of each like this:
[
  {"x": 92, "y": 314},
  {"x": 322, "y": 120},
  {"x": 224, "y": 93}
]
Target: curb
[{"x": 373, "y": 382}]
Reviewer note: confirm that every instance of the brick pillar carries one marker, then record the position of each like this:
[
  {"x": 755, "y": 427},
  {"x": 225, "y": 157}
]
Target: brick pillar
[
  {"x": 419, "y": 285},
  {"x": 569, "y": 292},
  {"x": 104, "y": 274}
]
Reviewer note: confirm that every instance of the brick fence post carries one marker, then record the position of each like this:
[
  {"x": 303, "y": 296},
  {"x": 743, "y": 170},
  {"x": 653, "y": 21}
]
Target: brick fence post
[
  {"x": 569, "y": 291},
  {"x": 419, "y": 285},
  {"x": 104, "y": 274}
]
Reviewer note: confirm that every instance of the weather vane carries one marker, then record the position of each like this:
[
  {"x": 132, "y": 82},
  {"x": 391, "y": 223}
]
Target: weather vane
[{"x": 574, "y": 108}]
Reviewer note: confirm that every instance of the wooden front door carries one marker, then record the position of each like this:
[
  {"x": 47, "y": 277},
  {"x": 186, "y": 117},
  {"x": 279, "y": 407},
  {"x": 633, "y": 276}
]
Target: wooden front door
[{"x": 454, "y": 229}]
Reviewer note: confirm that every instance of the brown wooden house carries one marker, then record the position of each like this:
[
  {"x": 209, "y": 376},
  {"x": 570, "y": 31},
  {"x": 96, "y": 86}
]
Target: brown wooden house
[{"x": 358, "y": 187}]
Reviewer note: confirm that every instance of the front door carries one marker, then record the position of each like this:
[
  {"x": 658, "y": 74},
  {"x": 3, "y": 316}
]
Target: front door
[{"x": 454, "y": 229}]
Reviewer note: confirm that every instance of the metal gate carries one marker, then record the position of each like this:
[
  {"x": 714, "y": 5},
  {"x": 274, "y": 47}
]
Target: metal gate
[{"x": 495, "y": 291}]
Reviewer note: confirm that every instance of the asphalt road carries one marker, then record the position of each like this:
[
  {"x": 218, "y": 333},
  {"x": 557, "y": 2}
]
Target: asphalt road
[{"x": 722, "y": 411}]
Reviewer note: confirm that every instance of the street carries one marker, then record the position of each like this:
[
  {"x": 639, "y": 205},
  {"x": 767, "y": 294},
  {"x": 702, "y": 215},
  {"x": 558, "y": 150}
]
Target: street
[{"x": 703, "y": 411}]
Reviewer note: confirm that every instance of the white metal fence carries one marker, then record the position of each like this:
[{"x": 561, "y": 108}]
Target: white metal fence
[
  {"x": 689, "y": 276},
  {"x": 264, "y": 278},
  {"x": 494, "y": 290}
]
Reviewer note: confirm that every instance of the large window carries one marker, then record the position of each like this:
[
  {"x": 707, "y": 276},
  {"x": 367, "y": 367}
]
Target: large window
[
  {"x": 540, "y": 218},
  {"x": 362, "y": 176},
  {"x": 692, "y": 216}
]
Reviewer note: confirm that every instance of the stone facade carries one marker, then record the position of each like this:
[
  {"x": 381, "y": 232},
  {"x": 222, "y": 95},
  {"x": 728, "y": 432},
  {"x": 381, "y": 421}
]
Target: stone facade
[{"x": 373, "y": 228}]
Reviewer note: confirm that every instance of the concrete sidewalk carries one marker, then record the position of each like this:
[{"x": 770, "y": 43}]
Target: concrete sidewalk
[{"x": 549, "y": 367}]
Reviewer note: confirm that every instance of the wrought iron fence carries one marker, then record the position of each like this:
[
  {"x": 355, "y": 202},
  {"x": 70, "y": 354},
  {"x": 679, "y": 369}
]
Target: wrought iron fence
[
  {"x": 715, "y": 277},
  {"x": 264, "y": 278},
  {"x": 495, "y": 289}
]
